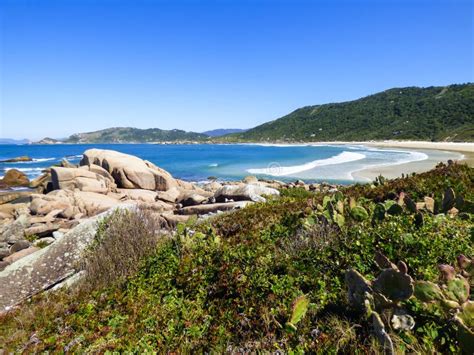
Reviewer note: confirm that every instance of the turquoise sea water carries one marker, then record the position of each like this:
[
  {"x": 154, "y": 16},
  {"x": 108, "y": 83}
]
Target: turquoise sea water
[{"x": 332, "y": 163}]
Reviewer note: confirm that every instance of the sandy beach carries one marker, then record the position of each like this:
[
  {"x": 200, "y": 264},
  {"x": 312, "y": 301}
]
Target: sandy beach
[{"x": 436, "y": 152}]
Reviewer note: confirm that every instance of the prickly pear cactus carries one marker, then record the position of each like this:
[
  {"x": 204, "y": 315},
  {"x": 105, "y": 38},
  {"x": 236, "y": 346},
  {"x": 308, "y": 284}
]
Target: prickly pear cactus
[
  {"x": 379, "y": 212},
  {"x": 449, "y": 200},
  {"x": 419, "y": 219},
  {"x": 410, "y": 204},
  {"x": 391, "y": 286},
  {"x": 359, "y": 213},
  {"x": 395, "y": 209},
  {"x": 453, "y": 290},
  {"x": 465, "y": 323},
  {"x": 395, "y": 285},
  {"x": 299, "y": 309}
]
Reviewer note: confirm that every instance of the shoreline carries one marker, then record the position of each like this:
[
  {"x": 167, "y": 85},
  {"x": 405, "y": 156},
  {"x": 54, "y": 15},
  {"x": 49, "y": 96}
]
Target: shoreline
[
  {"x": 463, "y": 152},
  {"x": 435, "y": 152}
]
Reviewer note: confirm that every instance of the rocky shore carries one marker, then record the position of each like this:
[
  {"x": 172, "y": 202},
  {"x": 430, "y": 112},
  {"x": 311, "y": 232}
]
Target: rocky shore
[{"x": 45, "y": 229}]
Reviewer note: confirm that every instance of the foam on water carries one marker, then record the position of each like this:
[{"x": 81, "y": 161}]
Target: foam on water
[
  {"x": 276, "y": 170},
  {"x": 26, "y": 170},
  {"x": 39, "y": 160}
]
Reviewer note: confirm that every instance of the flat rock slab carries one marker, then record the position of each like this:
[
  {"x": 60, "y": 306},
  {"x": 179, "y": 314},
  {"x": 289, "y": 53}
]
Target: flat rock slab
[
  {"x": 9, "y": 196},
  {"x": 213, "y": 207},
  {"x": 46, "y": 267}
]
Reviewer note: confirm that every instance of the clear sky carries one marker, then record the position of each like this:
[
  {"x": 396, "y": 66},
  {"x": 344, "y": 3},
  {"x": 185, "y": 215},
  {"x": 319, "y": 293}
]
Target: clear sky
[{"x": 72, "y": 66}]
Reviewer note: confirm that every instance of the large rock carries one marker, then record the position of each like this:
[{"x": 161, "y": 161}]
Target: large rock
[
  {"x": 17, "y": 159},
  {"x": 193, "y": 199},
  {"x": 213, "y": 208},
  {"x": 92, "y": 203},
  {"x": 13, "y": 196},
  {"x": 249, "y": 192},
  {"x": 55, "y": 200},
  {"x": 42, "y": 182},
  {"x": 71, "y": 203},
  {"x": 82, "y": 179},
  {"x": 212, "y": 186},
  {"x": 170, "y": 195},
  {"x": 41, "y": 229},
  {"x": 45, "y": 267},
  {"x": 13, "y": 232},
  {"x": 14, "y": 177},
  {"x": 137, "y": 195},
  {"x": 19, "y": 255},
  {"x": 130, "y": 172}
]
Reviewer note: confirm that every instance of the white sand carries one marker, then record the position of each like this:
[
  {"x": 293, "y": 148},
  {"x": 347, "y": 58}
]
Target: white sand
[{"x": 436, "y": 151}]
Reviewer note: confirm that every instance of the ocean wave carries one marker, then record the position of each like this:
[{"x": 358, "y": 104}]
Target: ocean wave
[
  {"x": 276, "y": 170},
  {"x": 73, "y": 157},
  {"x": 287, "y": 145},
  {"x": 38, "y": 160},
  {"x": 26, "y": 170},
  {"x": 213, "y": 165}
]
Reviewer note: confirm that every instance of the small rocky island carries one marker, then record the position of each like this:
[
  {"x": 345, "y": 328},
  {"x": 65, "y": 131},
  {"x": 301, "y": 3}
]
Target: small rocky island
[{"x": 45, "y": 228}]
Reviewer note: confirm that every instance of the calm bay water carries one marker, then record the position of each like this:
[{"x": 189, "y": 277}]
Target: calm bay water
[{"x": 332, "y": 163}]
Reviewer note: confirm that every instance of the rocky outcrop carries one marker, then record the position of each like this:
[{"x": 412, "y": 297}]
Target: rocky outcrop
[
  {"x": 17, "y": 159},
  {"x": 71, "y": 203},
  {"x": 13, "y": 232},
  {"x": 42, "y": 183},
  {"x": 40, "y": 269},
  {"x": 137, "y": 195},
  {"x": 249, "y": 192},
  {"x": 129, "y": 171},
  {"x": 82, "y": 179},
  {"x": 213, "y": 208},
  {"x": 13, "y": 178},
  {"x": 9, "y": 196}
]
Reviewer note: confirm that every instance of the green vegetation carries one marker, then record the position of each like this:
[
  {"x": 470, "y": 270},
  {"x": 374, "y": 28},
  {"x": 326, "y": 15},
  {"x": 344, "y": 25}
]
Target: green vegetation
[
  {"x": 135, "y": 135},
  {"x": 433, "y": 113},
  {"x": 273, "y": 276}
]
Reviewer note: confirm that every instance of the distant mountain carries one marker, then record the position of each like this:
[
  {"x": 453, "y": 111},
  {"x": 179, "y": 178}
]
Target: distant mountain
[
  {"x": 135, "y": 135},
  {"x": 432, "y": 113},
  {"x": 13, "y": 141},
  {"x": 223, "y": 131},
  {"x": 48, "y": 140}
]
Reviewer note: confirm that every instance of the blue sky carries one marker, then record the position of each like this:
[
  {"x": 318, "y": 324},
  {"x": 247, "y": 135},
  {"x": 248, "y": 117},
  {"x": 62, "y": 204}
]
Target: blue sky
[{"x": 73, "y": 66}]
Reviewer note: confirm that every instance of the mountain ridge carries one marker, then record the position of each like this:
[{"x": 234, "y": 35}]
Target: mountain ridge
[
  {"x": 410, "y": 113},
  {"x": 134, "y": 135}
]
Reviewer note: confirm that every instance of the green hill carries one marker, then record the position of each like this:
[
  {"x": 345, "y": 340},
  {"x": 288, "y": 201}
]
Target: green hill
[
  {"x": 134, "y": 135},
  {"x": 433, "y": 113}
]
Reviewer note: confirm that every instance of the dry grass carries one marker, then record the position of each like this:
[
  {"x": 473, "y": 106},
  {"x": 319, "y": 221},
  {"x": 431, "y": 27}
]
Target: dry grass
[{"x": 122, "y": 241}]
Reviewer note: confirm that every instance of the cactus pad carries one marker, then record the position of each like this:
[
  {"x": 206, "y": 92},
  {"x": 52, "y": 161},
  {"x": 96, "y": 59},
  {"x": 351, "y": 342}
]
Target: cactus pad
[
  {"x": 427, "y": 291},
  {"x": 394, "y": 285},
  {"x": 359, "y": 213}
]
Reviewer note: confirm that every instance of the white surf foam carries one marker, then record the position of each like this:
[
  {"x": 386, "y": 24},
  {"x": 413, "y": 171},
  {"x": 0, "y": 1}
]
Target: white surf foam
[
  {"x": 25, "y": 170},
  {"x": 43, "y": 159},
  {"x": 213, "y": 165},
  {"x": 276, "y": 170}
]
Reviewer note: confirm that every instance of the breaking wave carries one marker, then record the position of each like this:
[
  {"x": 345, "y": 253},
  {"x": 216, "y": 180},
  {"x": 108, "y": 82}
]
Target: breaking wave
[{"x": 343, "y": 157}]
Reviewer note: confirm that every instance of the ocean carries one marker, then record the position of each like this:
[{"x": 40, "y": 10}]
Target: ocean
[{"x": 198, "y": 162}]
